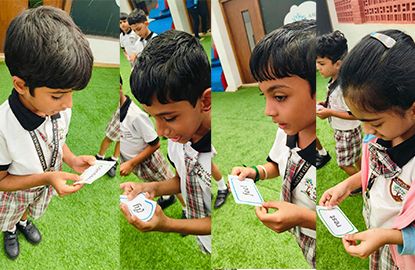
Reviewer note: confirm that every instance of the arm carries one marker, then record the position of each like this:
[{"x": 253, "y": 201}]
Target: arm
[
  {"x": 323, "y": 113},
  {"x": 408, "y": 237},
  {"x": 247, "y": 172},
  {"x": 335, "y": 195},
  {"x": 167, "y": 187},
  {"x": 127, "y": 167},
  {"x": 77, "y": 163}
]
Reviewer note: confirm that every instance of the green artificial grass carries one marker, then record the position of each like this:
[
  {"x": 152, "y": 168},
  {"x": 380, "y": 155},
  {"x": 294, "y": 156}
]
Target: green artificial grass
[
  {"x": 242, "y": 134},
  {"x": 79, "y": 231},
  {"x": 330, "y": 251},
  {"x": 156, "y": 250}
]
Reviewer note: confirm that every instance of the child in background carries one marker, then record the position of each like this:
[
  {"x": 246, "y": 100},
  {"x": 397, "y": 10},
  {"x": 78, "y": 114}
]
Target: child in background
[
  {"x": 283, "y": 63},
  {"x": 331, "y": 49},
  {"x": 128, "y": 40},
  {"x": 381, "y": 66},
  {"x": 34, "y": 121}
]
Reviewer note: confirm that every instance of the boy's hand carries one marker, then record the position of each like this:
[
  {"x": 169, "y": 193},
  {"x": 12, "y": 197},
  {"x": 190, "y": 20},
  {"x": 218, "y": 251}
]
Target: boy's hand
[
  {"x": 58, "y": 181},
  {"x": 369, "y": 241},
  {"x": 323, "y": 113},
  {"x": 243, "y": 172},
  {"x": 132, "y": 189},
  {"x": 156, "y": 223},
  {"x": 286, "y": 217},
  {"x": 335, "y": 195},
  {"x": 126, "y": 168},
  {"x": 81, "y": 163}
]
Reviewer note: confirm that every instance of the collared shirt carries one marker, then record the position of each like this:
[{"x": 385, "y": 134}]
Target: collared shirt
[
  {"x": 18, "y": 154},
  {"x": 386, "y": 197},
  {"x": 136, "y": 130},
  {"x": 142, "y": 42},
  {"x": 203, "y": 151},
  {"x": 128, "y": 43},
  {"x": 304, "y": 194}
]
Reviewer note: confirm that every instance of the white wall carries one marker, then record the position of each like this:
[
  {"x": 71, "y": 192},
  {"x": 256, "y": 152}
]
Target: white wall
[
  {"x": 178, "y": 12},
  {"x": 125, "y": 6},
  {"x": 223, "y": 46},
  {"x": 354, "y": 32},
  {"x": 106, "y": 50}
]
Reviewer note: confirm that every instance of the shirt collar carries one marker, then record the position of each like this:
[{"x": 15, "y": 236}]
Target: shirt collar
[
  {"x": 128, "y": 32},
  {"x": 333, "y": 84},
  {"x": 124, "y": 108},
  {"x": 308, "y": 153},
  {"x": 148, "y": 37},
  {"x": 402, "y": 153},
  {"x": 204, "y": 145},
  {"x": 28, "y": 119}
]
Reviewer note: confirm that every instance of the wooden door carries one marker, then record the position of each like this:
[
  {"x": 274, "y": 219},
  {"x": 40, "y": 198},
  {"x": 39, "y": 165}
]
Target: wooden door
[
  {"x": 245, "y": 27},
  {"x": 8, "y": 10}
]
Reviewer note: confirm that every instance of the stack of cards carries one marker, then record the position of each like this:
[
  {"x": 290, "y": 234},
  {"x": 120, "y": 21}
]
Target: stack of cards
[
  {"x": 336, "y": 221},
  {"x": 96, "y": 171},
  {"x": 140, "y": 206},
  {"x": 245, "y": 192}
]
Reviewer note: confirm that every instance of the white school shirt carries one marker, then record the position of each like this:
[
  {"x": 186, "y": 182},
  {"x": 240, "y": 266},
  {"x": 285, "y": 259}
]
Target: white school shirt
[
  {"x": 128, "y": 43},
  {"x": 304, "y": 194},
  {"x": 142, "y": 42},
  {"x": 336, "y": 102},
  {"x": 136, "y": 130},
  {"x": 18, "y": 155},
  {"x": 386, "y": 197},
  {"x": 176, "y": 154}
]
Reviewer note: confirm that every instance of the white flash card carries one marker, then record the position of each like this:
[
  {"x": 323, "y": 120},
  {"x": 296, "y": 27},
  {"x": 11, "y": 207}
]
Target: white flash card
[
  {"x": 96, "y": 171},
  {"x": 142, "y": 207},
  {"x": 123, "y": 199},
  {"x": 245, "y": 191},
  {"x": 336, "y": 221}
]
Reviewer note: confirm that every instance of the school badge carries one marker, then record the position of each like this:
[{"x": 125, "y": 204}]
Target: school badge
[
  {"x": 398, "y": 189},
  {"x": 310, "y": 190}
]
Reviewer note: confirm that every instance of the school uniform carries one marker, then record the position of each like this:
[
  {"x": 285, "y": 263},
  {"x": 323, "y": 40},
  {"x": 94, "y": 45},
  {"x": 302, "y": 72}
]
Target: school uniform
[
  {"x": 142, "y": 43},
  {"x": 347, "y": 133},
  {"x": 192, "y": 162},
  {"x": 389, "y": 174},
  {"x": 112, "y": 131},
  {"x": 29, "y": 144},
  {"x": 137, "y": 133},
  {"x": 297, "y": 169},
  {"x": 128, "y": 41}
]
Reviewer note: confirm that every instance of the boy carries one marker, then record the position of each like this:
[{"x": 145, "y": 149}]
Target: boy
[
  {"x": 331, "y": 49},
  {"x": 172, "y": 81},
  {"x": 128, "y": 39},
  {"x": 34, "y": 121},
  {"x": 283, "y": 63},
  {"x": 139, "y": 24}
]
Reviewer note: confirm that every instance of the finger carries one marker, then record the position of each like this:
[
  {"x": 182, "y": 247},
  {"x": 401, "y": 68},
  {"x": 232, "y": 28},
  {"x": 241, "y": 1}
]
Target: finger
[
  {"x": 70, "y": 176},
  {"x": 126, "y": 212},
  {"x": 355, "y": 237},
  {"x": 125, "y": 185},
  {"x": 66, "y": 190},
  {"x": 236, "y": 171},
  {"x": 352, "y": 248},
  {"x": 324, "y": 198},
  {"x": 272, "y": 204},
  {"x": 89, "y": 159},
  {"x": 260, "y": 212}
]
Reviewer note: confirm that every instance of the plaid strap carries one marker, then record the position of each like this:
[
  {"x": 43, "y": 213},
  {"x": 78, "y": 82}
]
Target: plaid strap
[
  {"x": 294, "y": 171},
  {"x": 195, "y": 207},
  {"x": 381, "y": 163}
]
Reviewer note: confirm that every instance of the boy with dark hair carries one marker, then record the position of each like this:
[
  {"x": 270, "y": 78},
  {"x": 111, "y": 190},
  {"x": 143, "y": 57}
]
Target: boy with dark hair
[
  {"x": 172, "y": 81},
  {"x": 128, "y": 40},
  {"x": 283, "y": 63},
  {"x": 331, "y": 49},
  {"x": 139, "y": 24},
  {"x": 48, "y": 57}
]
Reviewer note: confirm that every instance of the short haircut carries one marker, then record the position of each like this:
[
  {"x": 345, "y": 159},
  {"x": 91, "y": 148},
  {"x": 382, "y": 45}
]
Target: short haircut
[
  {"x": 285, "y": 52},
  {"x": 137, "y": 16},
  {"x": 172, "y": 67},
  {"x": 332, "y": 46},
  {"x": 123, "y": 16},
  {"x": 376, "y": 78},
  {"x": 44, "y": 47}
]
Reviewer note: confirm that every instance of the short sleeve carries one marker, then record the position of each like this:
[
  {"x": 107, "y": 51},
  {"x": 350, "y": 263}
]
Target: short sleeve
[
  {"x": 143, "y": 125},
  {"x": 5, "y": 158}
]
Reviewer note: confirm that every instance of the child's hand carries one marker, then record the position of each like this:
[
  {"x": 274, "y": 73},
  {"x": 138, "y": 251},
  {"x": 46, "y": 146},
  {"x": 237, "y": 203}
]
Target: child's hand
[
  {"x": 286, "y": 217},
  {"x": 81, "y": 163},
  {"x": 335, "y": 195},
  {"x": 243, "y": 172},
  {"x": 132, "y": 189},
  {"x": 58, "y": 181},
  {"x": 323, "y": 113},
  {"x": 369, "y": 242},
  {"x": 126, "y": 168},
  {"x": 156, "y": 223}
]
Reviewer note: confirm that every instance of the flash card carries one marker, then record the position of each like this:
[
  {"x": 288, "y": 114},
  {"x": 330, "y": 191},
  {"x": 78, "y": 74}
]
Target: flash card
[
  {"x": 96, "y": 171},
  {"x": 336, "y": 221},
  {"x": 245, "y": 192},
  {"x": 123, "y": 199},
  {"x": 141, "y": 207}
]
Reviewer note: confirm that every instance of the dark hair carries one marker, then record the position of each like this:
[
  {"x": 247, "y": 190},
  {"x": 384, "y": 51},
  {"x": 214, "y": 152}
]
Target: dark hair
[
  {"x": 376, "y": 78},
  {"x": 332, "y": 46},
  {"x": 286, "y": 52},
  {"x": 172, "y": 67},
  {"x": 123, "y": 16},
  {"x": 44, "y": 47},
  {"x": 137, "y": 16}
]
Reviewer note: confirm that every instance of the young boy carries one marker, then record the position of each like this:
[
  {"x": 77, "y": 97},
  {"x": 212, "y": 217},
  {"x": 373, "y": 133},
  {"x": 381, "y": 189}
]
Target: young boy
[
  {"x": 172, "y": 81},
  {"x": 34, "y": 121},
  {"x": 128, "y": 40},
  {"x": 331, "y": 49},
  {"x": 139, "y": 24},
  {"x": 283, "y": 63}
]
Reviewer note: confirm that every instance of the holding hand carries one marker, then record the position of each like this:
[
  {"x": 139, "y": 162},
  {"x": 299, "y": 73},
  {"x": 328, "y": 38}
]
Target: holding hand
[
  {"x": 323, "y": 113},
  {"x": 156, "y": 223},
  {"x": 335, "y": 195},
  {"x": 58, "y": 181},
  {"x": 132, "y": 189},
  {"x": 243, "y": 172},
  {"x": 81, "y": 163},
  {"x": 364, "y": 243},
  {"x": 126, "y": 168},
  {"x": 286, "y": 217}
]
